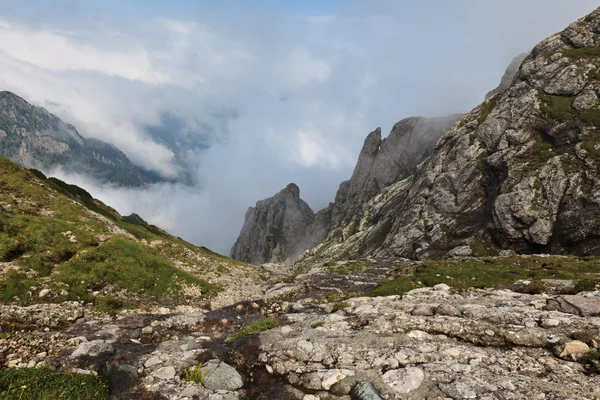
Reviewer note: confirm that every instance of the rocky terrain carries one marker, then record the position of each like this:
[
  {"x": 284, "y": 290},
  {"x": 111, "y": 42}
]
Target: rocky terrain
[
  {"x": 420, "y": 288},
  {"x": 35, "y": 138}
]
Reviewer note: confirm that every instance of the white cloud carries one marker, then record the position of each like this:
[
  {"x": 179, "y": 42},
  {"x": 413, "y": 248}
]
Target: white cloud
[
  {"x": 313, "y": 149},
  {"x": 181, "y": 27},
  {"x": 51, "y": 51}
]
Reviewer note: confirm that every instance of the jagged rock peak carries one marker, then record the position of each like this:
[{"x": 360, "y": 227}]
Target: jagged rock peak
[
  {"x": 277, "y": 229},
  {"x": 509, "y": 75}
]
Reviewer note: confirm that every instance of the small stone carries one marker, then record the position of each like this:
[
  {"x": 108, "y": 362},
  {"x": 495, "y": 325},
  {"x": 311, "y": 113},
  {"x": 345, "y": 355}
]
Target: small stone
[
  {"x": 45, "y": 292},
  {"x": 223, "y": 324},
  {"x": 575, "y": 350},
  {"x": 418, "y": 335},
  {"x": 310, "y": 397},
  {"x": 404, "y": 381},
  {"x": 550, "y": 323},
  {"x": 152, "y": 361},
  {"x": 147, "y": 330},
  {"x": 164, "y": 373},
  {"x": 423, "y": 310},
  {"x": 286, "y": 329},
  {"x": 221, "y": 376},
  {"x": 489, "y": 332},
  {"x": 442, "y": 287},
  {"x": 331, "y": 377},
  {"x": 92, "y": 349},
  {"x": 447, "y": 310}
]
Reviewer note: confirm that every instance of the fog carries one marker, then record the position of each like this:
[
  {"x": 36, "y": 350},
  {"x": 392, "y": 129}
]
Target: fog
[{"x": 235, "y": 101}]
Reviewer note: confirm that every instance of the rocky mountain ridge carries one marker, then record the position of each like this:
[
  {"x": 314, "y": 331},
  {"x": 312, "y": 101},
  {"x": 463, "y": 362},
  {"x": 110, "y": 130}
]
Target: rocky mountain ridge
[
  {"x": 518, "y": 173},
  {"x": 265, "y": 236},
  {"x": 35, "y": 138}
]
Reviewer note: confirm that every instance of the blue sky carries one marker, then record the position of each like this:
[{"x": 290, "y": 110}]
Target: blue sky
[{"x": 257, "y": 93}]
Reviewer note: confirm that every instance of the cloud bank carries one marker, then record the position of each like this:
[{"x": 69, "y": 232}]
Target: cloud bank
[{"x": 242, "y": 101}]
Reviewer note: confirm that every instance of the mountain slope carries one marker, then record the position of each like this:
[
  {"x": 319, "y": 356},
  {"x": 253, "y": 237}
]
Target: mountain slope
[
  {"x": 57, "y": 243},
  {"x": 519, "y": 172},
  {"x": 35, "y": 138}
]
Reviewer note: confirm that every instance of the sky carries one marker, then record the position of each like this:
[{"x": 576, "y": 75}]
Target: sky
[{"x": 236, "y": 99}]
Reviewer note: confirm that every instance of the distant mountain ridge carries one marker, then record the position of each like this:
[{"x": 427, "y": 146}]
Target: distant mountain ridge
[{"x": 35, "y": 138}]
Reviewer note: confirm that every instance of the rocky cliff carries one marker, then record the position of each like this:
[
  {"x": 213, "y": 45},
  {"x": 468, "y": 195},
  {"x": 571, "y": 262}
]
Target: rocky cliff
[
  {"x": 519, "y": 172},
  {"x": 282, "y": 227},
  {"x": 35, "y": 138},
  {"x": 277, "y": 229}
]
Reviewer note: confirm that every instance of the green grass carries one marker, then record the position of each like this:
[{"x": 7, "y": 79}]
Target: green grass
[
  {"x": 558, "y": 107},
  {"x": 317, "y": 324},
  {"x": 583, "y": 52},
  {"x": 591, "y": 362},
  {"x": 129, "y": 265},
  {"x": 194, "y": 374},
  {"x": 491, "y": 272},
  {"x": 486, "y": 108},
  {"x": 347, "y": 268},
  {"x": 17, "y": 286},
  {"x": 44, "y": 384},
  {"x": 257, "y": 326}
]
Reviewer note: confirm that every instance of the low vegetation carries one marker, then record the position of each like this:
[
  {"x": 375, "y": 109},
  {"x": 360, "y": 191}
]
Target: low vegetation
[
  {"x": 195, "y": 374},
  {"x": 57, "y": 236},
  {"x": 257, "y": 326},
  {"x": 45, "y": 384},
  {"x": 494, "y": 272}
]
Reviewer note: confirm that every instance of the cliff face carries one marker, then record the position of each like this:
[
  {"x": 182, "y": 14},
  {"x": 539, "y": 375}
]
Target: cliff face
[
  {"x": 35, "y": 138},
  {"x": 508, "y": 76},
  {"x": 281, "y": 228},
  {"x": 518, "y": 172},
  {"x": 383, "y": 162},
  {"x": 276, "y": 229}
]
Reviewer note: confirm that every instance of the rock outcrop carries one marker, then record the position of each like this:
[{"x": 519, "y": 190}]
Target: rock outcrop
[
  {"x": 383, "y": 162},
  {"x": 277, "y": 229},
  {"x": 35, "y": 138},
  {"x": 508, "y": 76},
  {"x": 519, "y": 172},
  {"x": 281, "y": 228}
]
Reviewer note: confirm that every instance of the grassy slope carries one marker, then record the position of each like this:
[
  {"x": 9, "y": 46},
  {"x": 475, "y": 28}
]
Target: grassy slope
[
  {"x": 493, "y": 272},
  {"x": 102, "y": 250}
]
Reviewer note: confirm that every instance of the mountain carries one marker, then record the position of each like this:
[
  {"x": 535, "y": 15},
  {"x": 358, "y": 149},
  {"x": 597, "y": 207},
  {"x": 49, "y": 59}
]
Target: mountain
[
  {"x": 509, "y": 75},
  {"x": 282, "y": 227},
  {"x": 35, "y": 138},
  {"x": 519, "y": 172},
  {"x": 276, "y": 229}
]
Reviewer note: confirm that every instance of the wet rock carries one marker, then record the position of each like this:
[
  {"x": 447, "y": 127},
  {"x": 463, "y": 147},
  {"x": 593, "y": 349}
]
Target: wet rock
[
  {"x": 404, "y": 381},
  {"x": 365, "y": 391},
  {"x": 221, "y": 376}
]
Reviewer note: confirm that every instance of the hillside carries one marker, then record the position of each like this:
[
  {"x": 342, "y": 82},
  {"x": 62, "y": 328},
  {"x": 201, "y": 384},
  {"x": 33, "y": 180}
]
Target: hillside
[
  {"x": 59, "y": 244},
  {"x": 35, "y": 138}
]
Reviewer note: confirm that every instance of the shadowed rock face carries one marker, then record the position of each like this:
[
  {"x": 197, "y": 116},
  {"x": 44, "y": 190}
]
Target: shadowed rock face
[
  {"x": 35, "y": 138},
  {"x": 518, "y": 172},
  {"x": 275, "y": 229}
]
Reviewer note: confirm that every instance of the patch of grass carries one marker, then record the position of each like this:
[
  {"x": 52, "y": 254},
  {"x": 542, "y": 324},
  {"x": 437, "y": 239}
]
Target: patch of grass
[
  {"x": 109, "y": 305},
  {"x": 257, "y": 326},
  {"x": 486, "y": 108},
  {"x": 340, "y": 305},
  {"x": 195, "y": 374},
  {"x": 557, "y": 107},
  {"x": 317, "y": 324},
  {"x": 591, "y": 362},
  {"x": 583, "y": 52},
  {"x": 45, "y": 384},
  {"x": 16, "y": 285},
  {"x": 347, "y": 268},
  {"x": 126, "y": 265},
  {"x": 583, "y": 285},
  {"x": 492, "y": 272}
]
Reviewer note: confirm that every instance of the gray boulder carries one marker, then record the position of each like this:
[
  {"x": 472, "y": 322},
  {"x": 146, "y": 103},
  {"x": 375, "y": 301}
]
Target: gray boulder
[{"x": 221, "y": 376}]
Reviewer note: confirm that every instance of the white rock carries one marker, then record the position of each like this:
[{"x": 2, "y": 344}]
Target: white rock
[
  {"x": 442, "y": 287},
  {"x": 164, "y": 373},
  {"x": 44, "y": 292},
  {"x": 286, "y": 329},
  {"x": 152, "y": 361},
  {"x": 404, "y": 381},
  {"x": 550, "y": 323},
  {"x": 331, "y": 377}
]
